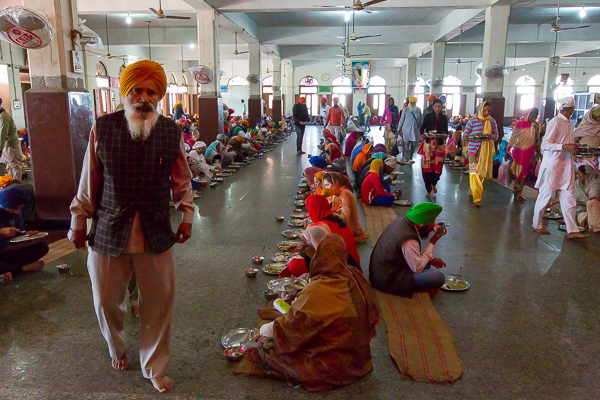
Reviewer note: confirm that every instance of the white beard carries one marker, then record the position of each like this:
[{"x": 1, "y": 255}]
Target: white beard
[
  {"x": 412, "y": 108},
  {"x": 139, "y": 127}
]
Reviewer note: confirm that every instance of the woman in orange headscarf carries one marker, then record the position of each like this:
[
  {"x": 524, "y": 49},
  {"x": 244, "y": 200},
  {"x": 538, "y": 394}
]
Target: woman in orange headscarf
[
  {"x": 362, "y": 157},
  {"x": 344, "y": 203}
]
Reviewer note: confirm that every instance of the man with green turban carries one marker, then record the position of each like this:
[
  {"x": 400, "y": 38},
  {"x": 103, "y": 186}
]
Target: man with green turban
[{"x": 398, "y": 264}]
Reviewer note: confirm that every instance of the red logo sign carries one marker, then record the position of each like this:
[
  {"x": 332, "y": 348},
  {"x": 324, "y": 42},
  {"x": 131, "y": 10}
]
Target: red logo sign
[
  {"x": 202, "y": 78},
  {"x": 24, "y": 38}
]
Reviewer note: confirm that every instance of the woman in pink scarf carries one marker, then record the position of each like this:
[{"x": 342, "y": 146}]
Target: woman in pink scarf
[{"x": 523, "y": 146}]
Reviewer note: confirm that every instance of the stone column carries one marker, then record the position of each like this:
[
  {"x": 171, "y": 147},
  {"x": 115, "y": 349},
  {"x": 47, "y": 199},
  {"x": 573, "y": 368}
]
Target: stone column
[
  {"x": 438, "y": 62},
  {"x": 255, "y": 108},
  {"x": 277, "y": 101},
  {"x": 410, "y": 76},
  {"x": 210, "y": 103},
  {"x": 494, "y": 50},
  {"x": 59, "y": 116},
  {"x": 548, "y": 106}
]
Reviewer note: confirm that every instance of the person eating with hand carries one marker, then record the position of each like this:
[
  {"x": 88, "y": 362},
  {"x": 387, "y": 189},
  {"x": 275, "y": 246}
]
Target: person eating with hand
[{"x": 398, "y": 263}]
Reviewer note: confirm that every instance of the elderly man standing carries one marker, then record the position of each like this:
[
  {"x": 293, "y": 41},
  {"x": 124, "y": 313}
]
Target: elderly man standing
[
  {"x": 135, "y": 158},
  {"x": 557, "y": 172},
  {"x": 10, "y": 145},
  {"x": 408, "y": 129}
]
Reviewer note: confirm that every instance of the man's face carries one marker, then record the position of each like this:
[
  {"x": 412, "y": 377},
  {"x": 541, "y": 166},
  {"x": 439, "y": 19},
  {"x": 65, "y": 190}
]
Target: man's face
[
  {"x": 144, "y": 98},
  {"x": 580, "y": 175},
  {"x": 15, "y": 210},
  {"x": 568, "y": 111},
  {"x": 425, "y": 230},
  {"x": 431, "y": 102}
]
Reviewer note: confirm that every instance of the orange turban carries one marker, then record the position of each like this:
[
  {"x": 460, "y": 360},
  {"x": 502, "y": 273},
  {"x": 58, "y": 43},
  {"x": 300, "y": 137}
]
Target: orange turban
[
  {"x": 431, "y": 97},
  {"x": 141, "y": 71}
]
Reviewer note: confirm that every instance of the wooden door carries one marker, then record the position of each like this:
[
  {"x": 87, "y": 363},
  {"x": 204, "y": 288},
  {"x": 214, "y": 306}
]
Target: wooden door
[{"x": 267, "y": 105}]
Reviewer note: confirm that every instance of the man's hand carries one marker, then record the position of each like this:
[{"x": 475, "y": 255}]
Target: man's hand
[
  {"x": 438, "y": 263},
  {"x": 184, "y": 232},
  {"x": 571, "y": 148},
  {"x": 79, "y": 237},
  {"x": 437, "y": 235},
  {"x": 31, "y": 232},
  {"x": 9, "y": 232}
]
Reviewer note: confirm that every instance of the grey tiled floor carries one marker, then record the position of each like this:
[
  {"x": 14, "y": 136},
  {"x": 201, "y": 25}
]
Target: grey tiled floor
[{"x": 528, "y": 327}]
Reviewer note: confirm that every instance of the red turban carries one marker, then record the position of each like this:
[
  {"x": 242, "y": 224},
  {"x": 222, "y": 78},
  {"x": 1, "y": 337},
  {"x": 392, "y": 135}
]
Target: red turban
[{"x": 141, "y": 71}]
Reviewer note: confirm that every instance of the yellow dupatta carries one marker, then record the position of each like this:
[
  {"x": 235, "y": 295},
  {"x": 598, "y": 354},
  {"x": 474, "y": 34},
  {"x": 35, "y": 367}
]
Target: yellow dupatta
[{"x": 485, "y": 165}]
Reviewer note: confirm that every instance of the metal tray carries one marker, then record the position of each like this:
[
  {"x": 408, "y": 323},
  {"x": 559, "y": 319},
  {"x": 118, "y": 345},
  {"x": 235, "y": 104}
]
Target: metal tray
[
  {"x": 299, "y": 203},
  {"x": 286, "y": 244},
  {"x": 404, "y": 203},
  {"x": 223, "y": 175},
  {"x": 287, "y": 284},
  {"x": 552, "y": 215},
  {"x": 237, "y": 337},
  {"x": 25, "y": 238},
  {"x": 478, "y": 138},
  {"x": 303, "y": 185},
  {"x": 217, "y": 180},
  {"x": 274, "y": 268},
  {"x": 563, "y": 228},
  {"x": 282, "y": 257},
  {"x": 299, "y": 215},
  {"x": 292, "y": 233},
  {"x": 455, "y": 284},
  {"x": 296, "y": 223}
]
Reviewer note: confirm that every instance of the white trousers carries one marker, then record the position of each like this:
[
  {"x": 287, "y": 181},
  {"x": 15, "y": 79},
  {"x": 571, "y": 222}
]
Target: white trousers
[
  {"x": 155, "y": 276},
  {"x": 337, "y": 132},
  {"x": 568, "y": 206},
  {"x": 12, "y": 157}
]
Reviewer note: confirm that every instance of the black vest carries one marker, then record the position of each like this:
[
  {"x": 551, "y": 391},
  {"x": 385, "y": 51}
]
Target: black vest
[
  {"x": 135, "y": 178},
  {"x": 388, "y": 270}
]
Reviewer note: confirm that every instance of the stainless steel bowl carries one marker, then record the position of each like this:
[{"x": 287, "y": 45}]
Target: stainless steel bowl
[
  {"x": 270, "y": 294},
  {"x": 235, "y": 353},
  {"x": 257, "y": 260},
  {"x": 279, "y": 219},
  {"x": 63, "y": 268},
  {"x": 251, "y": 272}
]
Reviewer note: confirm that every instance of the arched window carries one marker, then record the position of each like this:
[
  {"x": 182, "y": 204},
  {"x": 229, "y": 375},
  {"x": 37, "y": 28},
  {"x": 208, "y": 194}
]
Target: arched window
[
  {"x": 173, "y": 79},
  {"x": 452, "y": 88},
  {"x": 563, "y": 87},
  {"x": 420, "y": 85},
  {"x": 267, "y": 90},
  {"x": 238, "y": 81},
  {"x": 478, "y": 84},
  {"x": 309, "y": 89},
  {"x": 525, "y": 88},
  {"x": 121, "y": 69},
  {"x": 103, "y": 95},
  {"x": 102, "y": 78},
  {"x": 185, "y": 80},
  {"x": 594, "y": 84},
  {"x": 376, "y": 92},
  {"x": 341, "y": 88},
  {"x": 451, "y": 85}
]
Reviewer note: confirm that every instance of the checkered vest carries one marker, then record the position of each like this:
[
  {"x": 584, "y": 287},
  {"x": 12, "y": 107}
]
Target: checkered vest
[{"x": 135, "y": 178}]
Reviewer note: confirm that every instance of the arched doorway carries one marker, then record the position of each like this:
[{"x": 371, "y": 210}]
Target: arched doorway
[
  {"x": 102, "y": 92},
  {"x": 377, "y": 99},
  {"x": 525, "y": 97},
  {"x": 455, "y": 101},
  {"x": 309, "y": 88},
  {"x": 267, "y": 94},
  {"x": 342, "y": 90},
  {"x": 238, "y": 89},
  {"x": 594, "y": 84},
  {"x": 420, "y": 92}
]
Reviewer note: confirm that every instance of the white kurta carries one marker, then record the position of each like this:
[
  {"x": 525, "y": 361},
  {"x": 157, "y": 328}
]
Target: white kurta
[{"x": 557, "y": 171}]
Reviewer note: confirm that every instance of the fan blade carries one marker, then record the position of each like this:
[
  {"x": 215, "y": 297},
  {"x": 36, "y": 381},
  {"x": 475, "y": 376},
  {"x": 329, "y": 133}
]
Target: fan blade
[
  {"x": 340, "y": 37},
  {"x": 370, "y": 11},
  {"x": 372, "y": 2},
  {"x": 577, "y": 27},
  {"x": 340, "y": 55},
  {"x": 332, "y": 6},
  {"x": 368, "y": 36},
  {"x": 176, "y": 17},
  {"x": 243, "y": 52},
  {"x": 358, "y": 55},
  {"x": 154, "y": 11}
]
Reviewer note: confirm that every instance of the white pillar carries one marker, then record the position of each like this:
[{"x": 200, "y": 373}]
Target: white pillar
[
  {"x": 208, "y": 49},
  {"x": 255, "y": 68},
  {"x": 550, "y": 76},
  {"x": 438, "y": 62},
  {"x": 276, "y": 65},
  {"x": 494, "y": 46},
  {"x": 410, "y": 76}
]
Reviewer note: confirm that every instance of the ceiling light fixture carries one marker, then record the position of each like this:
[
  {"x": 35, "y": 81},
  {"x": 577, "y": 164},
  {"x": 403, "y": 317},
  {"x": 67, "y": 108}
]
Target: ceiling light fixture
[
  {"x": 582, "y": 12},
  {"x": 192, "y": 45},
  {"x": 128, "y": 19},
  {"x": 347, "y": 16}
]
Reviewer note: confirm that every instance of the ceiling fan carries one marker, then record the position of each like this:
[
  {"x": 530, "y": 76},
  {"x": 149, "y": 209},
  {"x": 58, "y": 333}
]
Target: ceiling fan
[
  {"x": 236, "y": 52},
  {"x": 556, "y": 28},
  {"x": 458, "y": 60},
  {"x": 160, "y": 13},
  {"x": 347, "y": 53},
  {"x": 149, "y": 46},
  {"x": 358, "y": 6},
  {"x": 108, "y": 53},
  {"x": 353, "y": 36}
]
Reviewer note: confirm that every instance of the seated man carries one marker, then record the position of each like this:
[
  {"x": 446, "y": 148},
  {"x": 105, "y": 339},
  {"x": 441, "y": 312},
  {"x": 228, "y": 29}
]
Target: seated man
[
  {"x": 23, "y": 259},
  {"x": 398, "y": 265}
]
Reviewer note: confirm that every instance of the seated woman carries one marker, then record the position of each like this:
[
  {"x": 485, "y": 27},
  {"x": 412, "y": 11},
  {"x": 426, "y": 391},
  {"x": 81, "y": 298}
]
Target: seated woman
[
  {"x": 320, "y": 214},
  {"x": 398, "y": 264},
  {"x": 372, "y": 191},
  {"x": 309, "y": 174},
  {"x": 332, "y": 151},
  {"x": 328, "y": 135},
  {"x": 588, "y": 197},
  {"x": 360, "y": 177},
  {"x": 235, "y": 145},
  {"x": 342, "y": 188},
  {"x": 22, "y": 259},
  {"x": 217, "y": 148},
  {"x": 323, "y": 342},
  {"x": 361, "y": 158}
]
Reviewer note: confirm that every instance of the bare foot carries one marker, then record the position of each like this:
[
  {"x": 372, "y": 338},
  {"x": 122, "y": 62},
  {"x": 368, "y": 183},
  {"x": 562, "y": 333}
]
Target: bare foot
[
  {"x": 577, "y": 235},
  {"x": 34, "y": 266},
  {"x": 541, "y": 231},
  {"x": 478, "y": 204},
  {"x": 428, "y": 195},
  {"x": 434, "y": 189},
  {"x": 162, "y": 383},
  {"x": 120, "y": 365}
]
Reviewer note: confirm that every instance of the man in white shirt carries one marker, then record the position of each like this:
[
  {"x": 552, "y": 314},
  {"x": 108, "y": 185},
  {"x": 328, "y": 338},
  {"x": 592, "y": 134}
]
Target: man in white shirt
[{"x": 557, "y": 172}]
